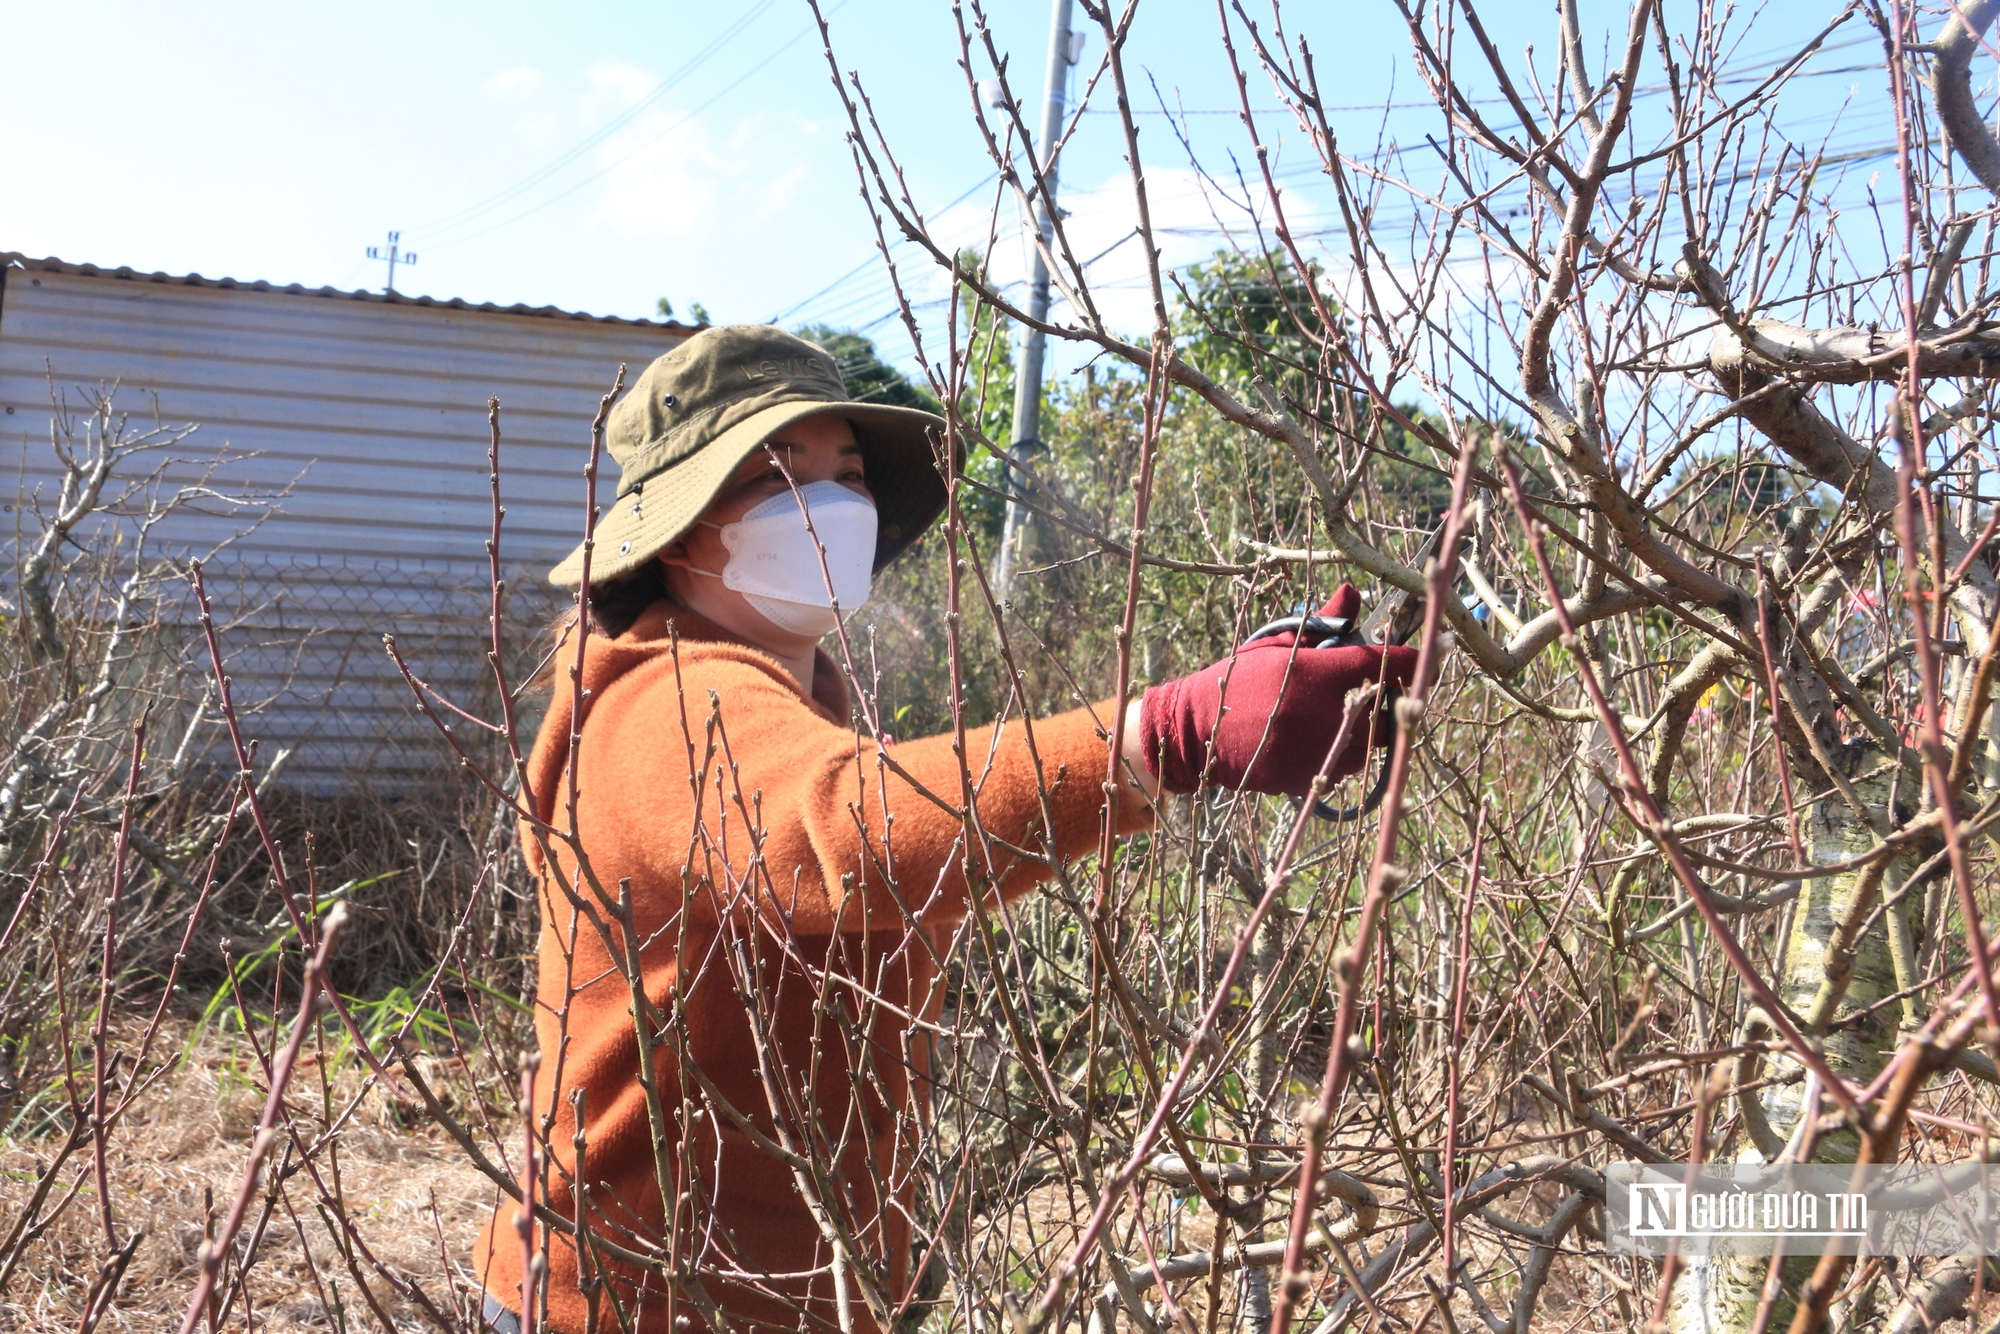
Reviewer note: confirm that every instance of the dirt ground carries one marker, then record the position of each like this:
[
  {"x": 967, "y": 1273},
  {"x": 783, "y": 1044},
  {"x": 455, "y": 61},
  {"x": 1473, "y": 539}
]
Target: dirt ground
[
  {"x": 177, "y": 1159},
  {"x": 180, "y": 1152}
]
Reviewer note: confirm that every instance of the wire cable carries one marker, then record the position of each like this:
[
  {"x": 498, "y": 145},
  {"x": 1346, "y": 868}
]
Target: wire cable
[
  {"x": 700, "y": 58},
  {"x": 613, "y": 165},
  {"x": 854, "y": 272}
]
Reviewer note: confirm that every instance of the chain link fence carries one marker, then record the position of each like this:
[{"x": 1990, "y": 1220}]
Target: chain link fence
[{"x": 303, "y": 643}]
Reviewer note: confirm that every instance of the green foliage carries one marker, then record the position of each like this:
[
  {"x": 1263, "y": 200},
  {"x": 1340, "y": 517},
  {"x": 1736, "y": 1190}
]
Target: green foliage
[
  {"x": 1217, "y": 487},
  {"x": 1411, "y": 481},
  {"x": 987, "y": 403},
  {"x": 1243, "y": 316},
  {"x": 1732, "y": 495},
  {"x": 868, "y": 378},
  {"x": 664, "y": 309}
]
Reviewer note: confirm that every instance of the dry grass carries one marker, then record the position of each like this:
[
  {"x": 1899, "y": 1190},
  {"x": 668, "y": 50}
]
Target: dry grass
[{"x": 179, "y": 1153}]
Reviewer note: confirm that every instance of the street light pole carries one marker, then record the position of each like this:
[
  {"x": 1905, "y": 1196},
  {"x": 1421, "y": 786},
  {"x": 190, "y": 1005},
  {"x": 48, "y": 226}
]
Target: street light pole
[{"x": 1025, "y": 438}]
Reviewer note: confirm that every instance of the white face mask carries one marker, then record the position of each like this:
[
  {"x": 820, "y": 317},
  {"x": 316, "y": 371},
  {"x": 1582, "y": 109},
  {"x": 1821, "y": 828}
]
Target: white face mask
[{"x": 775, "y": 565}]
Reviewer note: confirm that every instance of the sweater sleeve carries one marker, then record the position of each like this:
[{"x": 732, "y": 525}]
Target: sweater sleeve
[{"x": 846, "y": 837}]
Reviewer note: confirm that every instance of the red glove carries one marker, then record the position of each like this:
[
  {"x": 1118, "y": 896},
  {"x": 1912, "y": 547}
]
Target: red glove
[{"x": 1228, "y": 725}]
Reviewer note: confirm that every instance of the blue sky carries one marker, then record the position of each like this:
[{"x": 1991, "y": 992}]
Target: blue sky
[{"x": 597, "y": 156}]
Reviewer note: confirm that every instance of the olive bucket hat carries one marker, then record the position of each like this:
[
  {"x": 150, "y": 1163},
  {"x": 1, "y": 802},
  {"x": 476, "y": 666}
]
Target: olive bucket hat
[{"x": 700, "y": 410}]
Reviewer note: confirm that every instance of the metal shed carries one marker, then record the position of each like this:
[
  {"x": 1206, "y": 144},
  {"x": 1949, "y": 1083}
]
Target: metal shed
[{"x": 369, "y": 411}]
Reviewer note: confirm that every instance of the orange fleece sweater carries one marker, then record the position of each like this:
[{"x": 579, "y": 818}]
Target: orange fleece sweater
[{"x": 791, "y": 862}]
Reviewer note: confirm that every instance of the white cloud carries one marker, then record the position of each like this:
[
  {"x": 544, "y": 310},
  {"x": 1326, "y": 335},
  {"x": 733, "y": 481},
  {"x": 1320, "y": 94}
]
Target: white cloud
[
  {"x": 514, "y": 85},
  {"x": 616, "y": 85},
  {"x": 659, "y": 171},
  {"x": 677, "y": 175}
]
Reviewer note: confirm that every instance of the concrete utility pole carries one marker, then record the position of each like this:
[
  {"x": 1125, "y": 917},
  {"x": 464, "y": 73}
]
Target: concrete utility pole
[
  {"x": 394, "y": 254},
  {"x": 1026, "y": 435}
]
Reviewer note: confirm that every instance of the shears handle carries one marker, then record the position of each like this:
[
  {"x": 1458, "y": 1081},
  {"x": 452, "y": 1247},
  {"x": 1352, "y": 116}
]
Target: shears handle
[
  {"x": 1380, "y": 787},
  {"x": 1319, "y": 631}
]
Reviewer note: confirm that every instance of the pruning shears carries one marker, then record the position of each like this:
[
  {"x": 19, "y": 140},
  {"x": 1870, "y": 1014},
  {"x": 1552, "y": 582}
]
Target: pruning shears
[{"x": 1394, "y": 619}]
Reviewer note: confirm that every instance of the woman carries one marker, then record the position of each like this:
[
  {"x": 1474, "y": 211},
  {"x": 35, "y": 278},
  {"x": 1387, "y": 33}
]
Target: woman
[{"x": 791, "y": 884}]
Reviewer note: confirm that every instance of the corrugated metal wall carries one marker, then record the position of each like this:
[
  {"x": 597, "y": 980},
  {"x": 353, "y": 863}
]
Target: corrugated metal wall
[{"x": 368, "y": 414}]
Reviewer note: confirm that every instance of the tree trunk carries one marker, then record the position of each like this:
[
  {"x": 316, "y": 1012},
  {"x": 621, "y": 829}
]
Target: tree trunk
[
  {"x": 1266, "y": 961},
  {"x": 1720, "y": 1296}
]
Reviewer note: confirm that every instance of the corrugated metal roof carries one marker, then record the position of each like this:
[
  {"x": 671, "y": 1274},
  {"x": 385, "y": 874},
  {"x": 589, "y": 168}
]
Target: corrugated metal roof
[
  {"x": 368, "y": 413},
  {"x": 50, "y": 264}
]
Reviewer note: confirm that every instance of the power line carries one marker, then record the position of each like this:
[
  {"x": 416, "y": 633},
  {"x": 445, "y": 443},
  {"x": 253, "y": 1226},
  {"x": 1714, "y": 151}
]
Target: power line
[
  {"x": 1430, "y": 104},
  {"x": 1393, "y": 218},
  {"x": 1735, "y": 73},
  {"x": 794, "y": 309},
  {"x": 605, "y": 131},
  {"x": 613, "y": 165}
]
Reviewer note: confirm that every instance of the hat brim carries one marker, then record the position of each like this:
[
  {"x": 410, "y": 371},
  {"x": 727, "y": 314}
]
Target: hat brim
[{"x": 651, "y": 512}]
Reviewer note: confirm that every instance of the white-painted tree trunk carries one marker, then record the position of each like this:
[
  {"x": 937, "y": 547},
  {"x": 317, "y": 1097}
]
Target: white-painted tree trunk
[{"x": 1720, "y": 1296}]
